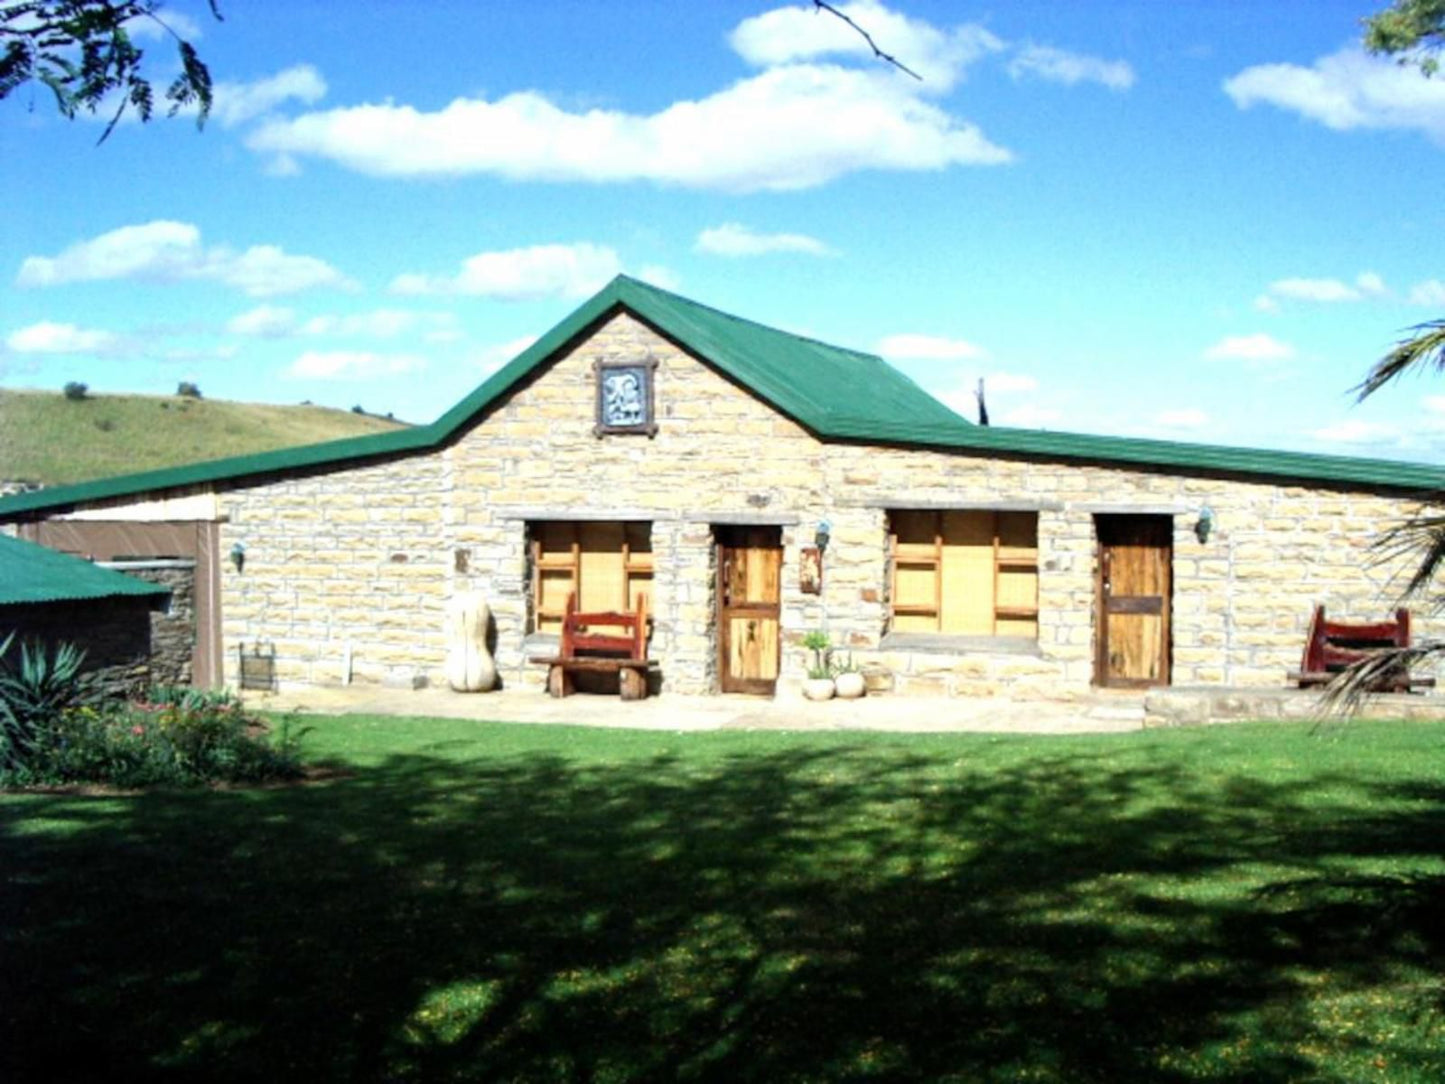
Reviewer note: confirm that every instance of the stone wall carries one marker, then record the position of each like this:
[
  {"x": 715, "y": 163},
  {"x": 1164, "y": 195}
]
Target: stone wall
[
  {"x": 114, "y": 633},
  {"x": 347, "y": 573},
  {"x": 173, "y": 627}
]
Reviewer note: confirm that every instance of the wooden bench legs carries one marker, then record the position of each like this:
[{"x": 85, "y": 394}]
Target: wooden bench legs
[{"x": 631, "y": 675}]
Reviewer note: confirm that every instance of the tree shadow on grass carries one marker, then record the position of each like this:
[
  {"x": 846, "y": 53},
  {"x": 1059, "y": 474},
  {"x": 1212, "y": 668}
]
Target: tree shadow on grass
[{"x": 812, "y": 913}]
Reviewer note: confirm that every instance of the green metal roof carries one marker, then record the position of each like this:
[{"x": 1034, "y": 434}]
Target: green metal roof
[
  {"x": 838, "y": 394},
  {"x": 31, "y": 573}
]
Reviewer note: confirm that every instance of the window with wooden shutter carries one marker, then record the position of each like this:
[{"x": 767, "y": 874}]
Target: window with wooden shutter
[
  {"x": 608, "y": 564},
  {"x": 969, "y": 573}
]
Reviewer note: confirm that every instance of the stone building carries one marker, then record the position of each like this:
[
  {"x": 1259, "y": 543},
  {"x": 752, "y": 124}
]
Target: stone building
[
  {"x": 52, "y": 598},
  {"x": 754, "y": 485}
]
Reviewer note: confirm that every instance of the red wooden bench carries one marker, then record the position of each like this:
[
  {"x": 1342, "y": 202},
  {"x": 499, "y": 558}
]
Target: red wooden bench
[
  {"x": 1332, "y": 646},
  {"x": 621, "y": 650}
]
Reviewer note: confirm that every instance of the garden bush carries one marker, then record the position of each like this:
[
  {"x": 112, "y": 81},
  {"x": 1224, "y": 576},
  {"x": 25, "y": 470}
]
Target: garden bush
[
  {"x": 146, "y": 744},
  {"x": 55, "y": 731}
]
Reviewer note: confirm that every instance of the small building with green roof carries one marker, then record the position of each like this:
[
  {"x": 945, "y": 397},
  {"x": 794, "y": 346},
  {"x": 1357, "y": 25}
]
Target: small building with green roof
[
  {"x": 754, "y": 485},
  {"x": 52, "y": 597}
]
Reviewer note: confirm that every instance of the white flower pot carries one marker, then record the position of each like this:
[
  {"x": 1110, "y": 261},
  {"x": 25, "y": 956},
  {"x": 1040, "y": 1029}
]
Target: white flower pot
[
  {"x": 849, "y": 686},
  {"x": 818, "y": 688}
]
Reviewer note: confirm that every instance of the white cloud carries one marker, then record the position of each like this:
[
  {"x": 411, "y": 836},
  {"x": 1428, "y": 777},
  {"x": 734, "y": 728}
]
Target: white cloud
[
  {"x": 1328, "y": 291},
  {"x": 735, "y": 239},
  {"x": 1355, "y": 431},
  {"x": 1265, "y": 303},
  {"x": 914, "y": 347},
  {"x": 1257, "y": 347},
  {"x": 236, "y": 103},
  {"x": 522, "y": 273},
  {"x": 1060, "y": 66},
  {"x": 274, "y": 322},
  {"x": 165, "y": 251},
  {"x": 493, "y": 357},
  {"x": 1434, "y": 404},
  {"x": 1371, "y": 284},
  {"x": 792, "y": 34},
  {"x": 793, "y": 125},
  {"x": 1429, "y": 292},
  {"x": 51, "y": 338},
  {"x": 664, "y": 278},
  {"x": 379, "y": 324},
  {"x": 263, "y": 322},
  {"x": 1186, "y": 418},
  {"x": 351, "y": 365},
  {"x": 1347, "y": 90}
]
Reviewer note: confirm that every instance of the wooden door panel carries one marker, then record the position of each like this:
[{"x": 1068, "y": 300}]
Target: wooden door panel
[
  {"x": 753, "y": 648},
  {"x": 1133, "y": 620},
  {"x": 749, "y": 592}
]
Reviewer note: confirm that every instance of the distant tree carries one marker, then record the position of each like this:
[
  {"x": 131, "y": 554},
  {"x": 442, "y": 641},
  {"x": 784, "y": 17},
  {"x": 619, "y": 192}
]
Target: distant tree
[
  {"x": 187, "y": 389},
  {"x": 84, "y": 52},
  {"x": 75, "y": 391},
  {"x": 357, "y": 409}
]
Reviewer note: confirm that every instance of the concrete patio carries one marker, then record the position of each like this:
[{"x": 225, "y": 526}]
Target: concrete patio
[{"x": 1097, "y": 711}]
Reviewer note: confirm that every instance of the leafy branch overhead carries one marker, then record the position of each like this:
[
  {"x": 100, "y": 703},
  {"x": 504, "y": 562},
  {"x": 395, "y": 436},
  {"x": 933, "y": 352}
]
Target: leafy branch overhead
[
  {"x": 1412, "y": 30},
  {"x": 85, "y": 52}
]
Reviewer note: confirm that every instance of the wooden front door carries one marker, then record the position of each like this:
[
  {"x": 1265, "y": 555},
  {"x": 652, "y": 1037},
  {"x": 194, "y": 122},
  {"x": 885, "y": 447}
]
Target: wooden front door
[
  {"x": 749, "y": 581},
  {"x": 1135, "y": 584}
]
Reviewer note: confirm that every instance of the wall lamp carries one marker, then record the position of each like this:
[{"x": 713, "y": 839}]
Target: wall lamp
[
  {"x": 823, "y": 534},
  {"x": 1204, "y": 525},
  {"x": 238, "y": 555}
]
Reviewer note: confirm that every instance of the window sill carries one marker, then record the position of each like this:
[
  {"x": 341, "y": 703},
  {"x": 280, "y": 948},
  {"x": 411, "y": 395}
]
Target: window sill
[{"x": 932, "y": 643}]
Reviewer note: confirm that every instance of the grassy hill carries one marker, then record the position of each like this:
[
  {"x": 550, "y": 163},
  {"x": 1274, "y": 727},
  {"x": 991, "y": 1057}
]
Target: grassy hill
[{"x": 47, "y": 438}]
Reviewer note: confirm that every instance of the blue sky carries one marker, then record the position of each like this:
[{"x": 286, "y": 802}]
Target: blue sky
[{"x": 1197, "y": 221}]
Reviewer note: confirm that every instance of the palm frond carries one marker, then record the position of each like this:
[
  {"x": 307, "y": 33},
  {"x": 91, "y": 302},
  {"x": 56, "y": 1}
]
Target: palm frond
[
  {"x": 1421, "y": 539},
  {"x": 1425, "y": 347},
  {"x": 1347, "y": 693}
]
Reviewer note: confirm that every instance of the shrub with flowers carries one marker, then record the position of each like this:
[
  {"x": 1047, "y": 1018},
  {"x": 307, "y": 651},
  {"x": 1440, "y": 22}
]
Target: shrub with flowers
[{"x": 176, "y": 737}]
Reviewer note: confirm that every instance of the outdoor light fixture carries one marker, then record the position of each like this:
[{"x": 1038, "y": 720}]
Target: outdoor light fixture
[
  {"x": 238, "y": 555},
  {"x": 1204, "y": 524},
  {"x": 823, "y": 534}
]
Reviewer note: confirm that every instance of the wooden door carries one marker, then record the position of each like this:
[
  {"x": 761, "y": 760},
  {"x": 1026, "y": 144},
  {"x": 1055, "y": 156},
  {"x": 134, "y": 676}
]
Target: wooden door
[
  {"x": 1135, "y": 584},
  {"x": 749, "y": 582}
]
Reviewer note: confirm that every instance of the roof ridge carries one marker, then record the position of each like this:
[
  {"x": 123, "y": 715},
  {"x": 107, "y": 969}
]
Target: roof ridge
[{"x": 735, "y": 318}]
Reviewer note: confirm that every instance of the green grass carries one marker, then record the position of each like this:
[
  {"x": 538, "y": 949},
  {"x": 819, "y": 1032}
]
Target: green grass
[
  {"x": 47, "y": 438},
  {"x": 490, "y": 902}
]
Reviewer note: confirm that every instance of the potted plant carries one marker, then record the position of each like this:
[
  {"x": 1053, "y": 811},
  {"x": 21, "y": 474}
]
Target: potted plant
[
  {"x": 848, "y": 680},
  {"x": 819, "y": 684}
]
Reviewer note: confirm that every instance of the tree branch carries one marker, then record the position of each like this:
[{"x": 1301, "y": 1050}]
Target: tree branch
[{"x": 821, "y": 5}]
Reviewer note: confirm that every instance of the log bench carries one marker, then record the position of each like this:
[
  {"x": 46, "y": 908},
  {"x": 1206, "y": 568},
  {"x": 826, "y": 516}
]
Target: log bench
[
  {"x": 1333, "y": 646},
  {"x": 583, "y": 649}
]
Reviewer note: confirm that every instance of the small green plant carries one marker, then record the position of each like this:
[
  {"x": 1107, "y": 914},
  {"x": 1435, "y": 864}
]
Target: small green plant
[
  {"x": 75, "y": 391},
  {"x": 816, "y": 641},
  {"x": 34, "y": 692},
  {"x": 845, "y": 665}
]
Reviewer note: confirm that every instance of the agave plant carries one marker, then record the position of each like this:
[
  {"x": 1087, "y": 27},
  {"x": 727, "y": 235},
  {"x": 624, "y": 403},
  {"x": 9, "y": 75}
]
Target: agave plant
[{"x": 34, "y": 692}]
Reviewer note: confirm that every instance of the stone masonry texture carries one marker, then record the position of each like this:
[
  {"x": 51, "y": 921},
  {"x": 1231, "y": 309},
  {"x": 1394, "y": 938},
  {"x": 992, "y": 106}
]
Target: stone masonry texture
[{"x": 348, "y": 572}]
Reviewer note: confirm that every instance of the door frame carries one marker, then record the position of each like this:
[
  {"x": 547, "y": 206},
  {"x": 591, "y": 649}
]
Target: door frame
[
  {"x": 1163, "y": 604},
  {"x": 723, "y": 540}
]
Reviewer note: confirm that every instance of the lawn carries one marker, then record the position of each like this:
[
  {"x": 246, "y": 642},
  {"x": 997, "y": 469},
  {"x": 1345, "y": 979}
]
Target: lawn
[{"x": 490, "y": 902}]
